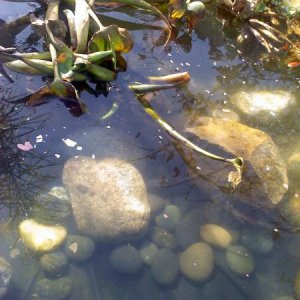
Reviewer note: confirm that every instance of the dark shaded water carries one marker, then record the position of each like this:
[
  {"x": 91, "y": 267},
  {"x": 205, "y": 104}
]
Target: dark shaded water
[{"x": 217, "y": 70}]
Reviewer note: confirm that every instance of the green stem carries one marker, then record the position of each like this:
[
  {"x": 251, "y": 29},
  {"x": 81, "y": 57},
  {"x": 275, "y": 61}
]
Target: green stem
[{"x": 237, "y": 162}]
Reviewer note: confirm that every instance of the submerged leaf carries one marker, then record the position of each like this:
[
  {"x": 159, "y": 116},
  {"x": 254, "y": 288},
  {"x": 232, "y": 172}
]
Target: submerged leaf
[{"x": 112, "y": 110}]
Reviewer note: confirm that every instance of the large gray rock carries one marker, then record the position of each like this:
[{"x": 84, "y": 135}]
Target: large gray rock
[
  {"x": 5, "y": 276},
  {"x": 264, "y": 181},
  {"x": 108, "y": 197}
]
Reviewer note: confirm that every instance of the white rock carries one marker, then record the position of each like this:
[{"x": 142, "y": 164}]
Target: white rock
[{"x": 264, "y": 105}]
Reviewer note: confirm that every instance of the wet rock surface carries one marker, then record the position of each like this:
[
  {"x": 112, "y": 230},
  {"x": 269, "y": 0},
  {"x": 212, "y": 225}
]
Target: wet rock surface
[
  {"x": 264, "y": 180},
  {"x": 108, "y": 197}
]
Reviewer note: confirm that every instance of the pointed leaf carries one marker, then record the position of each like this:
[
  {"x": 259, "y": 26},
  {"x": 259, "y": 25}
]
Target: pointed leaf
[
  {"x": 119, "y": 39},
  {"x": 38, "y": 96},
  {"x": 72, "y": 29},
  {"x": 81, "y": 25},
  {"x": 101, "y": 73}
]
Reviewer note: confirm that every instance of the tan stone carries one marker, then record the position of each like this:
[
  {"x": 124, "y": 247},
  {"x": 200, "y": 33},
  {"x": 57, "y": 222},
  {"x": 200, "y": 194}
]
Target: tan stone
[
  {"x": 215, "y": 235},
  {"x": 41, "y": 238},
  {"x": 197, "y": 262},
  {"x": 264, "y": 180}
]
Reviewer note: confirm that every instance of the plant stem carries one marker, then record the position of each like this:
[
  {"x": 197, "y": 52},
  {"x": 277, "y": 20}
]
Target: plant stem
[{"x": 237, "y": 162}]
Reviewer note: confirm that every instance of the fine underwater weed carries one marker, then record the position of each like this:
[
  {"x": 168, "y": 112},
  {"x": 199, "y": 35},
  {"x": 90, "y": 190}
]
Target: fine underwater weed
[{"x": 20, "y": 172}]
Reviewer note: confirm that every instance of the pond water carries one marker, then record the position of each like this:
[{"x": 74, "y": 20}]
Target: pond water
[{"x": 263, "y": 259}]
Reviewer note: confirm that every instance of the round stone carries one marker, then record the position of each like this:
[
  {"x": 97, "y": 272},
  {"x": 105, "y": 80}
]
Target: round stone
[
  {"x": 5, "y": 276},
  {"x": 79, "y": 248},
  {"x": 187, "y": 229},
  {"x": 109, "y": 198},
  {"x": 240, "y": 260},
  {"x": 126, "y": 259},
  {"x": 53, "y": 289},
  {"x": 215, "y": 235},
  {"x": 164, "y": 268},
  {"x": 41, "y": 238},
  {"x": 258, "y": 241},
  {"x": 162, "y": 238},
  {"x": 169, "y": 218},
  {"x": 197, "y": 262},
  {"x": 290, "y": 208},
  {"x": 148, "y": 252},
  {"x": 54, "y": 263}
]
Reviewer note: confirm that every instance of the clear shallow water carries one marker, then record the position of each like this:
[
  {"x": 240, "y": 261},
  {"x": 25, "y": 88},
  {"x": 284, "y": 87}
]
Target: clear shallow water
[{"x": 216, "y": 69}]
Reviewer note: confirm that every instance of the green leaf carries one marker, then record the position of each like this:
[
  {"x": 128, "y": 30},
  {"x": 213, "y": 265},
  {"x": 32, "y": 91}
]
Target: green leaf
[
  {"x": 101, "y": 73},
  {"x": 21, "y": 67},
  {"x": 111, "y": 37}
]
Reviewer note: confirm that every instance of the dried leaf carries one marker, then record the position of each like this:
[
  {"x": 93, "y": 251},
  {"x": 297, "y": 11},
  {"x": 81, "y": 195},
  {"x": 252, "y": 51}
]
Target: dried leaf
[
  {"x": 81, "y": 25},
  {"x": 182, "y": 77}
]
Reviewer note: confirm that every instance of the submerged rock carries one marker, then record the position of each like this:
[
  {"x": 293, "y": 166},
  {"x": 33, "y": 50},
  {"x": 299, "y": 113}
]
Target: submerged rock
[
  {"x": 240, "y": 260},
  {"x": 169, "y": 218},
  {"x": 54, "y": 263},
  {"x": 108, "y": 197},
  {"x": 162, "y": 238},
  {"x": 258, "y": 241},
  {"x": 53, "y": 206},
  {"x": 79, "y": 248},
  {"x": 126, "y": 259},
  {"x": 52, "y": 289},
  {"x": 164, "y": 268},
  {"x": 294, "y": 166},
  {"x": 148, "y": 252},
  {"x": 264, "y": 105},
  {"x": 41, "y": 238},
  {"x": 264, "y": 181},
  {"x": 5, "y": 276},
  {"x": 216, "y": 235},
  {"x": 197, "y": 262}
]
